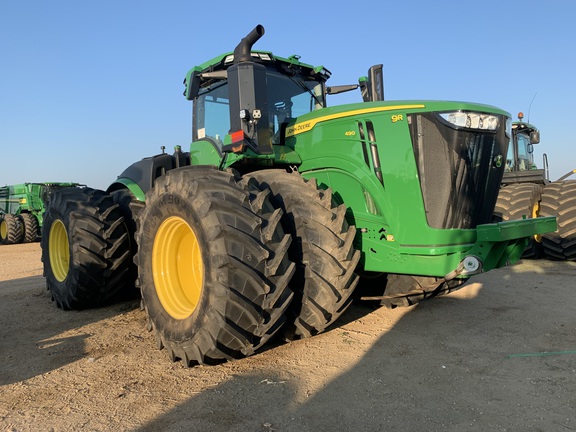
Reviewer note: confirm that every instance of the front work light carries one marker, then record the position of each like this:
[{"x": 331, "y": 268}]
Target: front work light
[{"x": 471, "y": 120}]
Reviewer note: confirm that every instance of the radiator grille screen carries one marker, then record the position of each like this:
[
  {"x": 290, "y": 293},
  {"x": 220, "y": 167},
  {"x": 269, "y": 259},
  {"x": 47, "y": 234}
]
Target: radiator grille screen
[{"x": 458, "y": 174}]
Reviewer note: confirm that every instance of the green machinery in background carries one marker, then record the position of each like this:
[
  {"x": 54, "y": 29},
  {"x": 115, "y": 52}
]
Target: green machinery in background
[
  {"x": 282, "y": 204},
  {"x": 22, "y": 208},
  {"x": 527, "y": 191}
]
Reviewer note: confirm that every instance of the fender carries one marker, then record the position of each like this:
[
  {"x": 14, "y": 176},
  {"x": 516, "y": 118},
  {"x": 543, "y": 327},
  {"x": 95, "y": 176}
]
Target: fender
[{"x": 141, "y": 176}]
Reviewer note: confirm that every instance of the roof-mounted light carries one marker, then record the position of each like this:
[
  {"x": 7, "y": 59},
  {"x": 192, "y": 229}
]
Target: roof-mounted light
[
  {"x": 262, "y": 56},
  {"x": 322, "y": 71},
  {"x": 471, "y": 120}
]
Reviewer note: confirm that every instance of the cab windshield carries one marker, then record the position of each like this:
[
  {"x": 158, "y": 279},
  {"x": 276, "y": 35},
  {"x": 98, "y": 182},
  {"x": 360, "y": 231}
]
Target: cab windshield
[
  {"x": 525, "y": 157},
  {"x": 288, "y": 97}
]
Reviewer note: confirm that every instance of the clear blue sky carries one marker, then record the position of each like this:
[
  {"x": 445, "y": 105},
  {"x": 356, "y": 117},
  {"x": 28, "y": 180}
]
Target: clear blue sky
[{"x": 87, "y": 88}]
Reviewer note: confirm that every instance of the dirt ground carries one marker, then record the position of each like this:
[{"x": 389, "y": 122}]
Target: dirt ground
[{"x": 497, "y": 355}]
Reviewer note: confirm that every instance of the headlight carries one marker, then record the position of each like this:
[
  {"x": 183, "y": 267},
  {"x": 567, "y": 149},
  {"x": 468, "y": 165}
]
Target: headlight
[{"x": 471, "y": 120}]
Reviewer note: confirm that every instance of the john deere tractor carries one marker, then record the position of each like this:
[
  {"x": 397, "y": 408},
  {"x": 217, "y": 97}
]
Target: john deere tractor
[
  {"x": 264, "y": 227},
  {"x": 21, "y": 209},
  {"x": 527, "y": 191}
]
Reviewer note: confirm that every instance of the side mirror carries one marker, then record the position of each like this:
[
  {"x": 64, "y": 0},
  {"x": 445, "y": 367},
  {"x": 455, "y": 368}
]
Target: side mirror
[
  {"x": 372, "y": 86},
  {"x": 534, "y": 137},
  {"x": 192, "y": 84},
  {"x": 376, "y": 82}
]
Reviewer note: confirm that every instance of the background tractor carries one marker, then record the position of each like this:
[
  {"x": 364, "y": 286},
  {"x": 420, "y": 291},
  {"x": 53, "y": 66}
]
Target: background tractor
[
  {"x": 265, "y": 226},
  {"x": 527, "y": 191},
  {"x": 21, "y": 210}
]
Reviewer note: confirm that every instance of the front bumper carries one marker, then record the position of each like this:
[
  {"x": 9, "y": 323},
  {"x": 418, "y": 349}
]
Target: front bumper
[
  {"x": 503, "y": 243},
  {"x": 457, "y": 253}
]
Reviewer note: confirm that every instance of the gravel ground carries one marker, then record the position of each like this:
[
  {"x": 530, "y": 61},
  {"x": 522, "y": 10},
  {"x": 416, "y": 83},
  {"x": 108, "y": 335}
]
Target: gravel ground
[{"x": 497, "y": 355}]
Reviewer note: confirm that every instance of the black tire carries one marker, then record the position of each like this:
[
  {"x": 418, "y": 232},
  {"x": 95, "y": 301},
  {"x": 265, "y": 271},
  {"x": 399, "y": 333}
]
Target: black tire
[
  {"x": 85, "y": 249},
  {"x": 10, "y": 229},
  {"x": 559, "y": 199},
  {"x": 227, "y": 292},
  {"x": 322, "y": 247},
  {"x": 397, "y": 290},
  {"x": 30, "y": 227},
  {"x": 130, "y": 208},
  {"x": 517, "y": 201}
]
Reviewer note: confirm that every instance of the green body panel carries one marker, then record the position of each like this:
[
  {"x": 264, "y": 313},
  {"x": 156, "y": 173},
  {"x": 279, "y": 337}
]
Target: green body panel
[
  {"x": 392, "y": 231},
  {"x": 26, "y": 198},
  {"x": 376, "y": 179},
  {"x": 204, "y": 153}
]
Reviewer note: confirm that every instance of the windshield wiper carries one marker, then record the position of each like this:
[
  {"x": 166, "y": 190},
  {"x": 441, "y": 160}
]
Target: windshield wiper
[{"x": 297, "y": 79}]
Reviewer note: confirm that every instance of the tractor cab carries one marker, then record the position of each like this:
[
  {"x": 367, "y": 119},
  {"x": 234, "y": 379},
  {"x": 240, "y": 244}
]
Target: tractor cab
[
  {"x": 520, "y": 155},
  {"x": 244, "y": 100},
  {"x": 248, "y": 103},
  {"x": 520, "y": 165}
]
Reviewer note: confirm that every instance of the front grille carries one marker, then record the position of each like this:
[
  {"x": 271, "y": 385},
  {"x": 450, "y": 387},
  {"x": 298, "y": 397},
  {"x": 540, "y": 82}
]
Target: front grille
[{"x": 458, "y": 174}]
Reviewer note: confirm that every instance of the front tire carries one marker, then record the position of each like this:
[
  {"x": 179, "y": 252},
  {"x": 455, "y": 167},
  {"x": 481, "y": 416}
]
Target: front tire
[
  {"x": 322, "y": 247},
  {"x": 213, "y": 266},
  {"x": 85, "y": 249}
]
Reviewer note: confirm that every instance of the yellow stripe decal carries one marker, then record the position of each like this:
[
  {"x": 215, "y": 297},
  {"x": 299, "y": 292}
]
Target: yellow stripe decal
[{"x": 301, "y": 127}]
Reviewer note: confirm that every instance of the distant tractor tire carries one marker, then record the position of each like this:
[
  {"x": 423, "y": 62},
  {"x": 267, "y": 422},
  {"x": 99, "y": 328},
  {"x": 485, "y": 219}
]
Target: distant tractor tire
[
  {"x": 518, "y": 201},
  {"x": 559, "y": 199},
  {"x": 10, "y": 229},
  {"x": 213, "y": 265},
  {"x": 322, "y": 247},
  {"x": 85, "y": 249},
  {"x": 30, "y": 227}
]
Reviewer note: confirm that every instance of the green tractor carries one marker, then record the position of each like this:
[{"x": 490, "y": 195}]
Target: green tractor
[
  {"x": 528, "y": 192},
  {"x": 21, "y": 210},
  {"x": 265, "y": 226}
]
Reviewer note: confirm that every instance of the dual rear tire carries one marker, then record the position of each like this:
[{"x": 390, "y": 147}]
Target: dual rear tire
[
  {"x": 224, "y": 263},
  {"x": 85, "y": 249}
]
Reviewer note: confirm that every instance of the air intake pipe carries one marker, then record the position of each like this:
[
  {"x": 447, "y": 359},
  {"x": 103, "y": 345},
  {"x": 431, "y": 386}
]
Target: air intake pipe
[{"x": 243, "y": 49}]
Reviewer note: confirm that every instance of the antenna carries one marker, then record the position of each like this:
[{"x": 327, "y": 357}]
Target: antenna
[{"x": 529, "y": 107}]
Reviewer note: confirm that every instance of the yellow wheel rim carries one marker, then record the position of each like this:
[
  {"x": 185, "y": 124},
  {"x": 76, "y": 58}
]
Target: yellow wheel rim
[
  {"x": 59, "y": 250},
  {"x": 177, "y": 267},
  {"x": 3, "y": 229}
]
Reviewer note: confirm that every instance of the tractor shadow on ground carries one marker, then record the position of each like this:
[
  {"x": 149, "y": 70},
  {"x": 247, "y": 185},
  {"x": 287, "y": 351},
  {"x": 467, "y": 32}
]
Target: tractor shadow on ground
[
  {"x": 470, "y": 360},
  {"x": 37, "y": 337}
]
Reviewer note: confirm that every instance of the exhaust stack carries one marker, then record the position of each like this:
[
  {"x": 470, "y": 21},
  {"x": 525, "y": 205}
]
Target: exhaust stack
[{"x": 243, "y": 49}]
